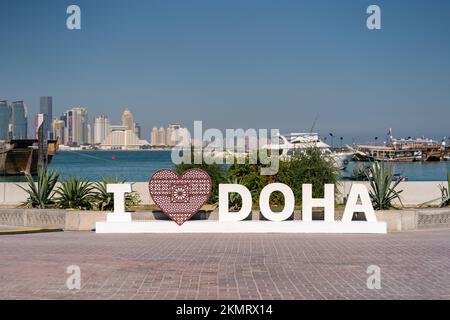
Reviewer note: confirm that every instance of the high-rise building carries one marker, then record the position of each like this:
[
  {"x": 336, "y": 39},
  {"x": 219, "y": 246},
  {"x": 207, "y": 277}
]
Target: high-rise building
[
  {"x": 77, "y": 126},
  {"x": 183, "y": 137},
  {"x": 121, "y": 138},
  {"x": 154, "y": 137},
  {"x": 58, "y": 128},
  {"x": 46, "y": 108},
  {"x": 89, "y": 134},
  {"x": 137, "y": 130},
  {"x": 170, "y": 137},
  {"x": 128, "y": 120},
  {"x": 65, "y": 136},
  {"x": 5, "y": 115},
  {"x": 172, "y": 133},
  {"x": 162, "y": 136},
  {"x": 101, "y": 128},
  {"x": 39, "y": 118},
  {"x": 19, "y": 120}
]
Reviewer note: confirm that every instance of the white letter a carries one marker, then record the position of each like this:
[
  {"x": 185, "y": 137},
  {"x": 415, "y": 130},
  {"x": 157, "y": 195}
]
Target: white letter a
[
  {"x": 74, "y": 20},
  {"x": 374, "y": 20}
]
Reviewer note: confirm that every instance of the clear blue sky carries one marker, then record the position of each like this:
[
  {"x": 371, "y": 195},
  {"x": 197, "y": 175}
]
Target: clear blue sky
[{"x": 236, "y": 63}]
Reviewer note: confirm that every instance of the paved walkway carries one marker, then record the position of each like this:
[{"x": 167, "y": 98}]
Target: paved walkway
[
  {"x": 413, "y": 265},
  {"x": 7, "y": 228}
]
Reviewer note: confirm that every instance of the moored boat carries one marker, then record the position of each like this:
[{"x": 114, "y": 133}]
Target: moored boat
[
  {"x": 18, "y": 157},
  {"x": 298, "y": 142},
  {"x": 401, "y": 150}
]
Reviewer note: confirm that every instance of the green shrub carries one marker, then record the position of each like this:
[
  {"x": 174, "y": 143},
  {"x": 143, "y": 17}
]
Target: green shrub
[
  {"x": 359, "y": 172},
  {"x": 250, "y": 176},
  {"x": 383, "y": 191},
  {"x": 217, "y": 172},
  {"x": 445, "y": 190},
  {"x": 104, "y": 201},
  {"x": 311, "y": 166},
  {"x": 40, "y": 193},
  {"x": 75, "y": 193},
  {"x": 234, "y": 199}
]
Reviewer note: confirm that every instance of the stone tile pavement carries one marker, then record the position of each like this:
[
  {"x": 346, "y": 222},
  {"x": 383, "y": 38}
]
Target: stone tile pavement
[
  {"x": 7, "y": 228},
  {"x": 414, "y": 265}
]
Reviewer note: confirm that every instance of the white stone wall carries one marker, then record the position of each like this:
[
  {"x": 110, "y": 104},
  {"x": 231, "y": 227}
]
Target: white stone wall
[{"x": 414, "y": 193}]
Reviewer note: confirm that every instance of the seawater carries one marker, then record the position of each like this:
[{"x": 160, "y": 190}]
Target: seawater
[{"x": 138, "y": 166}]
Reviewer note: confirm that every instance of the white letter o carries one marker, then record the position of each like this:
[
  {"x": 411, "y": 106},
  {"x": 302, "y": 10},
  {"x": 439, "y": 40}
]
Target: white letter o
[{"x": 264, "y": 202}]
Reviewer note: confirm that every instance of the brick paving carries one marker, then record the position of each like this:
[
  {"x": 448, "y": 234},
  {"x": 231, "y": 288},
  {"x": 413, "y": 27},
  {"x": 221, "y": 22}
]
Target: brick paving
[{"x": 413, "y": 265}]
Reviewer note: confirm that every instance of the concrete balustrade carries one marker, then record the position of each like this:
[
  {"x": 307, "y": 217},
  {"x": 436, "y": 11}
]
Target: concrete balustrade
[
  {"x": 72, "y": 220},
  {"x": 414, "y": 192}
]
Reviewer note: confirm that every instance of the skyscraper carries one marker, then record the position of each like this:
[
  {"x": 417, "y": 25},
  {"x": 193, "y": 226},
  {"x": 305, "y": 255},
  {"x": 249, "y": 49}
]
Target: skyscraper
[
  {"x": 58, "y": 127},
  {"x": 172, "y": 134},
  {"x": 5, "y": 114},
  {"x": 39, "y": 118},
  {"x": 89, "y": 134},
  {"x": 19, "y": 120},
  {"x": 77, "y": 126},
  {"x": 121, "y": 138},
  {"x": 162, "y": 136},
  {"x": 101, "y": 128},
  {"x": 65, "y": 136},
  {"x": 46, "y": 108},
  {"x": 154, "y": 137},
  {"x": 137, "y": 130},
  {"x": 128, "y": 120}
]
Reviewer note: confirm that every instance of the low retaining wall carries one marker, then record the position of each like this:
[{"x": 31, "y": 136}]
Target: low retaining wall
[
  {"x": 431, "y": 219},
  {"x": 397, "y": 220},
  {"x": 63, "y": 219},
  {"x": 11, "y": 194},
  {"x": 414, "y": 192}
]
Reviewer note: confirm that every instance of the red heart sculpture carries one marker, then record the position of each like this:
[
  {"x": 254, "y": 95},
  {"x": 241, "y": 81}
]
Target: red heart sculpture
[{"x": 180, "y": 196}]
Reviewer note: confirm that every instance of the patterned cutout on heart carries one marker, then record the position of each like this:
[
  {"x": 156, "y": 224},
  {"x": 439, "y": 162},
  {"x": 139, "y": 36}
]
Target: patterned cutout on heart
[{"x": 180, "y": 196}]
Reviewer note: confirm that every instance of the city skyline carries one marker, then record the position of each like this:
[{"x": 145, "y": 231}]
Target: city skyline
[
  {"x": 237, "y": 64},
  {"x": 90, "y": 123}
]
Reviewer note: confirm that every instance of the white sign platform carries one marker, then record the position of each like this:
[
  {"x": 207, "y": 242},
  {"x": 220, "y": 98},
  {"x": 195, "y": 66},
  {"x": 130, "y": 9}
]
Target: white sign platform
[{"x": 207, "y": 226}]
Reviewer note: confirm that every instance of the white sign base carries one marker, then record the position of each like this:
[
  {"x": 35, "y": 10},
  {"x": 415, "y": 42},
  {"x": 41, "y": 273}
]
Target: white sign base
[{"x": 206, "y": 226}]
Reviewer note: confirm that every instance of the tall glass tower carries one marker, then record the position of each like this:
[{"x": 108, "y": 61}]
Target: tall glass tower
[
  {"x": 5, "y": 114},
  {"x": 46, "y": 108},
  {"x": 19, "y": 120}
]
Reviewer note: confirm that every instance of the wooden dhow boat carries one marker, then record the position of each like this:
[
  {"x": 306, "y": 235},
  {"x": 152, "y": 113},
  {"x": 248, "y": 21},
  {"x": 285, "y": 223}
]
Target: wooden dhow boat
[
  {"x": 18, "y": 157},
  {"x": 402, "y": 150}
]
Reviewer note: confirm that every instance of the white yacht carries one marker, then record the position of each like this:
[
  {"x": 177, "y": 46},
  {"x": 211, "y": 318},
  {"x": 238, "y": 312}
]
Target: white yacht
[{"x": 302, "y": 141}]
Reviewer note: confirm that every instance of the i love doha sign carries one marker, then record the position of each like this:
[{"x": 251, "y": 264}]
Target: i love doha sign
[{"x": 180, "y": 197}]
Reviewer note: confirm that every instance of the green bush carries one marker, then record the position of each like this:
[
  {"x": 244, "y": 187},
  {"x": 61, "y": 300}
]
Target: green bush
[
  {"x": 250, "y": 176},
  {"x": 234, "y": 199},
  {"x": 359, "y": 172},
  {"x": 310, "y": 166},
  {"x": 75, "y": 193},
  {"x": 104, "y": 201},
  {"x": 40, "y": 193},
  {"x": 383, "y": 191},
  {"x": 217, "y": 172},
  {"x": 445, "y": 190}
]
